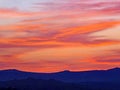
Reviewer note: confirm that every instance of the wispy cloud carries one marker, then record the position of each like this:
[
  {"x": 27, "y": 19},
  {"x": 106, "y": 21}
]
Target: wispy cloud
[{"x": 38, "y": 35}]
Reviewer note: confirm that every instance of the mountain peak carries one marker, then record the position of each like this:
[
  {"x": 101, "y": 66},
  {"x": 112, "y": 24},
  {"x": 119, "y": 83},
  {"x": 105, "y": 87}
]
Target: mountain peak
[
  {"x": 65, "y": 71},
  {"x": 114, "y": 69},
  {"x": 11, "y": 70}
]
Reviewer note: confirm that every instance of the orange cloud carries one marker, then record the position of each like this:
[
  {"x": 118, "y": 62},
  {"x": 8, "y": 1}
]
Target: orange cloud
[
  {"x": 87, "y": 28},
  {"x": 57, "y": 36}
]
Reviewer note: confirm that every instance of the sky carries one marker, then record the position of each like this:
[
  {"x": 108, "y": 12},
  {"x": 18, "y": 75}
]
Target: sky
[{"x": 57, "y": 35}]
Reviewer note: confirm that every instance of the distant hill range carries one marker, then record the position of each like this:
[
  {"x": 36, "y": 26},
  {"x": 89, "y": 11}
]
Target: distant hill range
[
  {"x": 110, "y": 75},
  {"x": 39, "y": 84}
]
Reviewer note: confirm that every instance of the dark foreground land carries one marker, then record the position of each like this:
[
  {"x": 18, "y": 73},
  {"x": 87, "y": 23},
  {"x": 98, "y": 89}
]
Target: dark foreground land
[
  {"x": 65, "y": 80},
  {"x": 38, "y": 84}
]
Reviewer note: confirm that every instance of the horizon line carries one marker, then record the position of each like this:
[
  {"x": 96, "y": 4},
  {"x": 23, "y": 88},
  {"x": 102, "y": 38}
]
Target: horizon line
[{"x": 60, "y": 71}]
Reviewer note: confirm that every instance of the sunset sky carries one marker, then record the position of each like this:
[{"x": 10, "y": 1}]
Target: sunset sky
[{"x": 57, "y": 35}]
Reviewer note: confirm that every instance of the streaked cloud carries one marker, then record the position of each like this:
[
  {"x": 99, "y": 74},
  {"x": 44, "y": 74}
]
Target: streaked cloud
[{"x": 53, "y": 35}]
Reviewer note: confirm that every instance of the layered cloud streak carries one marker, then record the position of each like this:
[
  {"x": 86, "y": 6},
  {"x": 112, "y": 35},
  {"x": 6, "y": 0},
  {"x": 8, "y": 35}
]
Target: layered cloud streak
[{"x": 53, "y": 35}]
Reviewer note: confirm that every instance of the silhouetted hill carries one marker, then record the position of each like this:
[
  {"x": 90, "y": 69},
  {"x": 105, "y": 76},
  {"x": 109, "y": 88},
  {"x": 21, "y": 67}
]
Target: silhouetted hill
[
  {"x": 110, "y": 75},
  {"x": 65, "y": 80},
  {"x": 39, "y": 84}
]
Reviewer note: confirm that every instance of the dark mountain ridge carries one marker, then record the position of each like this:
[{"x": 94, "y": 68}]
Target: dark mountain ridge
[
  {"x": 110, "y": 75},
  {"x": 39, "y": 84}
]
